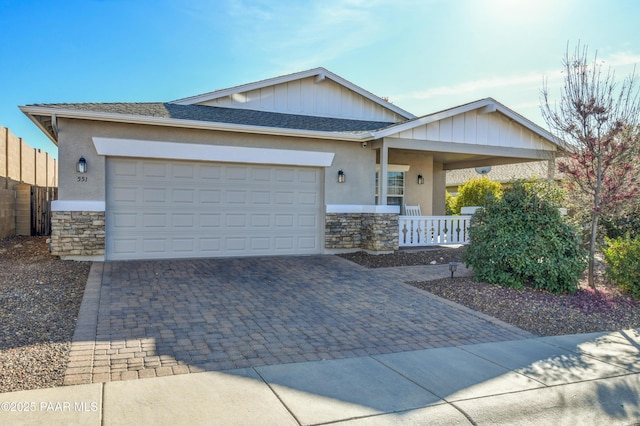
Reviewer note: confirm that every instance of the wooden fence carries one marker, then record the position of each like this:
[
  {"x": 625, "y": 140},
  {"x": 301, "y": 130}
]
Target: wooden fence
[{"x": 28, "y": 183}]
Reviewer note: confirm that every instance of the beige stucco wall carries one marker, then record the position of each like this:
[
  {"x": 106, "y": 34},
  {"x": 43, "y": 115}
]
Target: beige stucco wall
[
  {"x": 75, "y": 141},
  {"x": 419, "y": 164},
  {"x": 439, "y": 189}
]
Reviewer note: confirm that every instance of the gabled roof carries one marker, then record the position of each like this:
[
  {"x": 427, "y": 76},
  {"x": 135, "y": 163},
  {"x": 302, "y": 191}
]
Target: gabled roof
[
  {"x": 319, "y": 73},
  {"x": 487, "y": 105}
]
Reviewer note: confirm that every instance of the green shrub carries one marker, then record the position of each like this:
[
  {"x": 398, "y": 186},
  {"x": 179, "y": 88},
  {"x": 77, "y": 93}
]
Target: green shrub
[
  {"x": 521, "y": 240},
  {"x": 450, "y": 201},
  {"x": 548, "y": 190},
  {"x": 622, "y": 256},
  {"x": 477, "y": 192},
  {"x": 624, "y": 224}
]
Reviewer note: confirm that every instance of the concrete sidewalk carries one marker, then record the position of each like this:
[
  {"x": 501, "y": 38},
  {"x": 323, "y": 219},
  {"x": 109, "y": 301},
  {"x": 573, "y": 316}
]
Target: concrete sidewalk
[{"x": 578, "y": 379}]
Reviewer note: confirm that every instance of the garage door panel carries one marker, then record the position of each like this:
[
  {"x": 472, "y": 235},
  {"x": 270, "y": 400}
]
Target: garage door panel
[
  {"x": 154, "y": 245},
  {"x": 261, "y": 197},
  {"x": 308, "y": 221},
  {"x": 171, "y": 209},
  {"x": 154, "y": 220},
  {"x": 210, "y": 220},
  {"x": 183, "y": 220},
  {"x": 285, "y": 175},
  {"x": 183, "y": 195},
  {"x": 237, "y": 173},
  {"x": 154, "y": 170},
  {"x": 308, "y": 198},
  {"x": 211, "y": 196},
  {"x": 309, "y": 243},
  {"x": 209, "y": 172},
  {"x": 183, "y": 171},
  {"x": 154, "y": 195},
  {"x": 235, "y": 221},
  {"x": 236, "y": 197},
  {"x": 261, "y": 174},
  {"x": 308, "y": 176},
  {"x": 125, "y": 194},
  {"x": 125, "y": 220}
]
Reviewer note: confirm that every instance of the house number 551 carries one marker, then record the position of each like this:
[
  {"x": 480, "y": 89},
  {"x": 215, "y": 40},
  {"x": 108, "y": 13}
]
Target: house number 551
[{"x": 82, "y": 179}]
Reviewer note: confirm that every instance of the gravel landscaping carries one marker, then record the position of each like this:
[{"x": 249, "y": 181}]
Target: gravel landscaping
[
  {"x": 40, "y": 296},
  {"x": 539, "y": 312}
]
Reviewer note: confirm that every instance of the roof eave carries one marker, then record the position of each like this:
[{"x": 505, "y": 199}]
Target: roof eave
[
  {"x": 31, "y": 111},
  {"x": 51, "y": 135}
]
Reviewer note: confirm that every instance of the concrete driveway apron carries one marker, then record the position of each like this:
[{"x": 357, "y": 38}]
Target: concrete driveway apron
[{"x": 158, "y": 318}]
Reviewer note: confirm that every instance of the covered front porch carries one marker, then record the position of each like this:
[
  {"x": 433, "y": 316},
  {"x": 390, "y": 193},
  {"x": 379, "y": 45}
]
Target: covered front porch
[{"x": 418, "y": 154}]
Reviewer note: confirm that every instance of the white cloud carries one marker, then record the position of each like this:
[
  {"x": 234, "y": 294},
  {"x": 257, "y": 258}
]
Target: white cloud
[{"x": 521, "y": 83}]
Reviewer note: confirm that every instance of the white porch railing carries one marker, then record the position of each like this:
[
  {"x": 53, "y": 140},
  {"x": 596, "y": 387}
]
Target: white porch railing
[{"x": 433, "y": 230}]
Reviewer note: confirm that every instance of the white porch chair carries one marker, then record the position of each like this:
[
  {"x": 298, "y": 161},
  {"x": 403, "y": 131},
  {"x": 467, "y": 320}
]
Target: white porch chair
[{"x": 412, "y": 210}]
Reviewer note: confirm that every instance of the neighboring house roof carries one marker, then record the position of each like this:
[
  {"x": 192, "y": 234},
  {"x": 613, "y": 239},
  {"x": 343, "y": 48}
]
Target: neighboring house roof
[{"x": 502, "y": 173}]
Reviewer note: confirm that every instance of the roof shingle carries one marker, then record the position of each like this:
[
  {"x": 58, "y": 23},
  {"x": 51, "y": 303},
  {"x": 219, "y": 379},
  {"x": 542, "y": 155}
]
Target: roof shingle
[{"x": 227, "y": 115}]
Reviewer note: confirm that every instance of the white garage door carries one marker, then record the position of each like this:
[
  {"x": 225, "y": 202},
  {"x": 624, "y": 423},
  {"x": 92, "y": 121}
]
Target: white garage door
[{"x": 171, "y": 209}]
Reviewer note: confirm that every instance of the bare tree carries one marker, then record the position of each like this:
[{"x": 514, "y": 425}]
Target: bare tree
[{"x": 598, "y": 119}]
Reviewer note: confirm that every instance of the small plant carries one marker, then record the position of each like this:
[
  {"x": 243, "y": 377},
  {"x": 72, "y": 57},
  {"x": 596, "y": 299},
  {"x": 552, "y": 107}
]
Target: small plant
[
  {"x": 477, "y": 192},
  {"x": 522, "y": 240},
  {"x": 622, "y": 256}
]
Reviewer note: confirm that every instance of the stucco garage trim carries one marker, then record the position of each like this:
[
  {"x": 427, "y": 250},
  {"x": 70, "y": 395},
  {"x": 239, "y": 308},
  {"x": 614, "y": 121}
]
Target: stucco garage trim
[
  {"x": 219, "y": 153},
  {"x": 77, "y": 206}
]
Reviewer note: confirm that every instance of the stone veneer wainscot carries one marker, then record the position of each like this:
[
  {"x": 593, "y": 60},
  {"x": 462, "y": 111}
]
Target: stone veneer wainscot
[
  {"x": 77, "y": 233},
  {"x": 376, "y": 232}
]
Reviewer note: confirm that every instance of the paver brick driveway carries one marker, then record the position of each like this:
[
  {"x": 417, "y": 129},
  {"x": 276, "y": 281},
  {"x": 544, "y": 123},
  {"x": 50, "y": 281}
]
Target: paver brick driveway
[{"x": 153, "y": 318}]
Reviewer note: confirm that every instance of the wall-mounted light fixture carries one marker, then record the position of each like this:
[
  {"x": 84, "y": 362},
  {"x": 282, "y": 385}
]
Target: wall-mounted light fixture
[
  {"x": 420, "y": 180},
  {"x": 81, "y": 167},
  {"x": 341, "y": 176}
]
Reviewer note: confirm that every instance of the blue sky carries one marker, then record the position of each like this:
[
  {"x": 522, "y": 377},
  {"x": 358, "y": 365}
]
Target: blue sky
[{"x": 424, "y": 55}]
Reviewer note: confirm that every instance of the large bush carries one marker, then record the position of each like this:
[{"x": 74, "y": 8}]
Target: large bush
[
  {"x": 623, "y": 224},
  {"x": 622, "y": 256},
  {"x": 477, "y": 192},
  {"x": 450, "y": 201},
  {"x": 521, "y": 240}
]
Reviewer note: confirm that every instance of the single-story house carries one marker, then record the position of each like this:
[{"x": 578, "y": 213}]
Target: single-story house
[{"x": 287, "y": 165}]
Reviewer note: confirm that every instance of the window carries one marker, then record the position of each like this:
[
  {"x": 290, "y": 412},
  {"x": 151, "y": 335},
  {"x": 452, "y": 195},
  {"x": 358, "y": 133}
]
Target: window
[{"x": 395, "y": 188}]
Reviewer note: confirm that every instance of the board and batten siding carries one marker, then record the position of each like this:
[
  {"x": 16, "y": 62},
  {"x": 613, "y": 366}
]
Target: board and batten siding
[
  {"x": 476, "y": 128},
  {"x": 306, "y": 96}
]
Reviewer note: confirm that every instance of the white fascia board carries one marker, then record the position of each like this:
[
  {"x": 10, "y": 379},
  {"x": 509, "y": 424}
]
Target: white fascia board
[
  {"x": 358, "y": 208},
  {"x": 320, "y": 72},
  {"x": 78, "y": 206},
  {"x": 218, "y": 153},
  {"x": 196, "y": 124}
]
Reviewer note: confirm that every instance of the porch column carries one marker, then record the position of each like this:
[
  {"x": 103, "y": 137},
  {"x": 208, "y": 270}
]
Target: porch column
[{"x": 382, "y": 177}]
